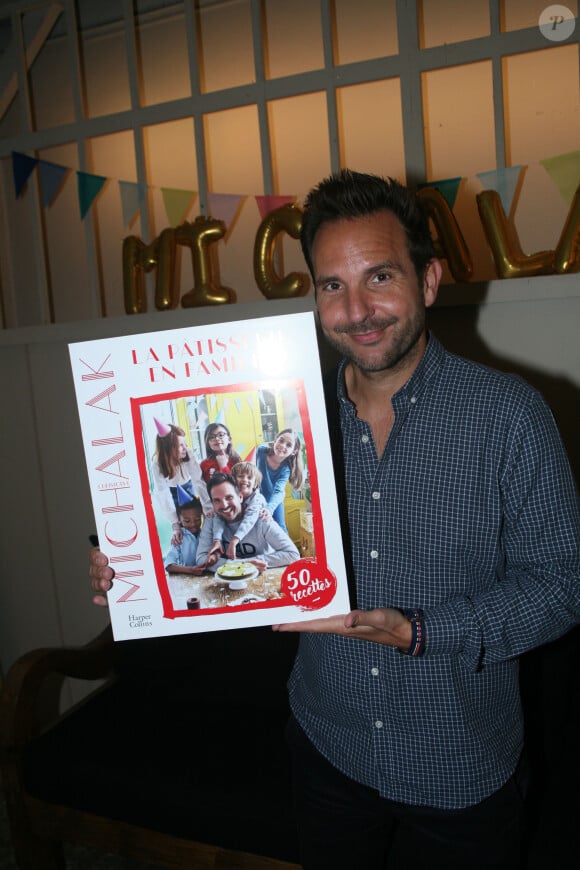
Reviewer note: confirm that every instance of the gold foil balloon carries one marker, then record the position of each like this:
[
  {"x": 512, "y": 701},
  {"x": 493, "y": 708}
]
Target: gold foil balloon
[
  {"x": 566, "y": 255},
  {"x": 510, "y": 261},
  {"x": 450, "y": 243},
  {"x": 286, "y": 219},
  {"x": 198, "y": 236},
  {"x": 139, "y": 258}
]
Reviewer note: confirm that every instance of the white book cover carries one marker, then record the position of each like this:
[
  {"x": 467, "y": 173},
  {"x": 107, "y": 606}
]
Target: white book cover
[{"x": 147, "y": 406}]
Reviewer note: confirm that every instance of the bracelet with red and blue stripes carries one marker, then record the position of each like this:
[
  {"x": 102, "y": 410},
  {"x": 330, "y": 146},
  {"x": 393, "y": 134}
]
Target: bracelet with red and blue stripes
[{"x": 418, "y": 634}]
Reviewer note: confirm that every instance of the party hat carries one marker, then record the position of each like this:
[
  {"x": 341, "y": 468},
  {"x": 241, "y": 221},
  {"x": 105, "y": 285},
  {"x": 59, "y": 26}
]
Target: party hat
[
  {"x": 251, "y": 456},
  {"x": 162, "y": 428},
  {"x": 183, "y": 496}
]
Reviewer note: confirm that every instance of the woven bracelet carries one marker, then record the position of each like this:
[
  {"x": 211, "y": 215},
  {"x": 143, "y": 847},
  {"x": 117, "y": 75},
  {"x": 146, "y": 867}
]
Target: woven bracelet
[{"x": 417, "y": 645}]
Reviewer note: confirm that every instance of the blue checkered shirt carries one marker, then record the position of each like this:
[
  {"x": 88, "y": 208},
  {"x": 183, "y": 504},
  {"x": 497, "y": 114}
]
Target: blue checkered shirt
[{"x": 471, "y": 514}]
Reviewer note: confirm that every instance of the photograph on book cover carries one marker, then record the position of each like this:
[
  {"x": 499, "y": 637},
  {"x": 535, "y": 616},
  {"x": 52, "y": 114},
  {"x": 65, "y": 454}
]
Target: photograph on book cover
[{"x": 211, "y": 476}]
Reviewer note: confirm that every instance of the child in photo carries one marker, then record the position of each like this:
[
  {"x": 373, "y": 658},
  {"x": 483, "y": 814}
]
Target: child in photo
[
  {"x": 180, "y": 558},
  {"x": 248, "y": 480}
]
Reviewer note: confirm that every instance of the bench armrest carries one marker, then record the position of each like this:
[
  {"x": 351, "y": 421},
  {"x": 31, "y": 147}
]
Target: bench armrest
[{"x": 28, "y": 676}]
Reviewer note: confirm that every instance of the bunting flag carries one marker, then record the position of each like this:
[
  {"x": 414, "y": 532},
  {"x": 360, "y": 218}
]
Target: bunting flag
[
  {"x": 564, "y": 171},
  {"x": 89, "y": 187},
  {"x": 269, "y": 203},
  {"x": 224, "y": 206},
  {"x": 447, "y": 187},
  {"x": 51, "y": 177},
  {"x": 238, "y": 404},
  {"x": 504, "y": 182},
  {"x": 201, "y": 418},
  {"x": 132, "y": 199},
  {"x": 177, "y": 204},
  {"x": 220, "y": 417},
  {"x": 22, "y": 168}
]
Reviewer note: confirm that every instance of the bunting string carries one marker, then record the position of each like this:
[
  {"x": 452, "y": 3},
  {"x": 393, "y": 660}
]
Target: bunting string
[{"x": 563, "y": 170}]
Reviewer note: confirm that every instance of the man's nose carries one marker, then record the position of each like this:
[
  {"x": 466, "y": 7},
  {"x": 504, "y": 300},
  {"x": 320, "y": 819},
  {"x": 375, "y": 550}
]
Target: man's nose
[{"x": 359, "y": 304}]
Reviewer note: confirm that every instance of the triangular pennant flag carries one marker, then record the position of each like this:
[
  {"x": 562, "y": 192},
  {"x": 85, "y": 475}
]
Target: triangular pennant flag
[
  {"x": 132, "y": 198},
  {"x": 269, "y": 203},
  {"x": 564, "y": 170},
  {"x": 238, "y": 404},
  {"x": 220, "y": 417},
  {"x": 224, "y": 206},
  {"x": 89, "y": 187},
  {"x": 504, "y": 182},
  {"x": 51, "y": 177},
  {"x": 22, "y": 168},
  {"x": 251, "y": 456},
  {"x": 447, "y": 187},
  {"x": 177, "y": 204}
]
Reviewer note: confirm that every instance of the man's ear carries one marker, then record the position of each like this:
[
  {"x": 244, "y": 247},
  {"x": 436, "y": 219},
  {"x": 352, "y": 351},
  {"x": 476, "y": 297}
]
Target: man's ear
[{"x": 431, "y": 281}]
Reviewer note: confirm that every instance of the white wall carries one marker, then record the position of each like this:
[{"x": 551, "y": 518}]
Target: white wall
[{"x": 525, "y": 325}]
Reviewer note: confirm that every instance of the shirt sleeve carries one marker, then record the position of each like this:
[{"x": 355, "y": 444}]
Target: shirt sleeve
[
  {"x": 285, "y": 551},
  {"x": 279, "y": 488},
  {"x": 537, "y": 595},
  {"x": 162, "y": 494},
  {"x": 251, "y": 514}
]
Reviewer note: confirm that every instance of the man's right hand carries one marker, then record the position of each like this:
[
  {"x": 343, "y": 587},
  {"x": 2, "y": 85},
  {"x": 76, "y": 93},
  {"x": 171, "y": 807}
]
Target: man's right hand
[{"x": 101, "y": 576}]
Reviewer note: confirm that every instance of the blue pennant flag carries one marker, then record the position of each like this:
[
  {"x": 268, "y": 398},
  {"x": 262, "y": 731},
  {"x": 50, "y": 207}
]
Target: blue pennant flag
[
  {"x": 22, "y": 168},
  {"x": 51, "y": 177}
]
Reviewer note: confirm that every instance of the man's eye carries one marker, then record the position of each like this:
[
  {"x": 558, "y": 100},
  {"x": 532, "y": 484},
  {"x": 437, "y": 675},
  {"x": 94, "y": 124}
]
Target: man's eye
[{"x": 381, "y": 277}]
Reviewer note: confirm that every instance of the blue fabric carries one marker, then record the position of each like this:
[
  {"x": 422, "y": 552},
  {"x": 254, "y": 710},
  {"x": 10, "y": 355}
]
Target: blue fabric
[
  {"x": 184, "y": 553},
  {"x": 273, "y": 486},
  {"x": 471, "y": 514}
]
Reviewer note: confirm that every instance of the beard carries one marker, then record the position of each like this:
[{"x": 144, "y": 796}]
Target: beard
[{"x": 404, "y": 340}]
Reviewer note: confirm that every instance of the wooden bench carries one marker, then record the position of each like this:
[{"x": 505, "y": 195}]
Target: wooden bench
[{"x": 178, "y": 759}]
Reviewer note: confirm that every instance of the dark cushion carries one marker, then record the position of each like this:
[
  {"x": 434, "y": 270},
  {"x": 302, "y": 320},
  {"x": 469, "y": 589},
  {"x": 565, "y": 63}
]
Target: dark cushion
[{"x": 188, "y": 740}]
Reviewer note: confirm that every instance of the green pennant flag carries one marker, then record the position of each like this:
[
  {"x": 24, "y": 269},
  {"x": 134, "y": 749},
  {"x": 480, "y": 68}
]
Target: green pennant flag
[
  {"x": 564, "y": 170},
  {"x": 89, "y": 186},
  {"x": 177, "y": 204},
  {"x": 447, "y": 187}
]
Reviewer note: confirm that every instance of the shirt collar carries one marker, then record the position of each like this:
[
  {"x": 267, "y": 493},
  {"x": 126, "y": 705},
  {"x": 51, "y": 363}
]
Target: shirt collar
[{"x": 429, "y": 365}]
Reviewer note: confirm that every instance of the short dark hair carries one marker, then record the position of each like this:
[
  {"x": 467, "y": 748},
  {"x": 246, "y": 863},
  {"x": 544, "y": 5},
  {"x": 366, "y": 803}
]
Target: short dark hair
[
  {"x": 220, "y": 477},
  {"x": 193, "y": 504},
  {"x": 349, "y": 194}
]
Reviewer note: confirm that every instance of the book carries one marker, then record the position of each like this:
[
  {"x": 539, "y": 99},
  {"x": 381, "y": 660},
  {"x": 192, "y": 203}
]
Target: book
[{"x": 147, "y": 405}]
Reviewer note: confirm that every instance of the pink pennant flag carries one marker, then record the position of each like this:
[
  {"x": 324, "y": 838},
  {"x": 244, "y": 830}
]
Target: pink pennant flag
[
  {"x": 224, "y": 206},
  {"x": 268, "y": 203}
]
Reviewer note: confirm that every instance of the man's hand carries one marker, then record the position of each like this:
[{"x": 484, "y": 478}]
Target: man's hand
[
  {"x": 101, "y": 576},
  {"x": 386, "y": 626}
]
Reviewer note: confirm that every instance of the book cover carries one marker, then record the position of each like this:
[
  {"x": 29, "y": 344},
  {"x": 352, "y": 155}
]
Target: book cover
[{"x": 239, "y": 405}]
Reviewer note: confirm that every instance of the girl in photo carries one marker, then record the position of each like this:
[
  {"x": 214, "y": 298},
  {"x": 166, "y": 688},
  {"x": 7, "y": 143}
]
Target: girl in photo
[{"x": 280, "y": 464}]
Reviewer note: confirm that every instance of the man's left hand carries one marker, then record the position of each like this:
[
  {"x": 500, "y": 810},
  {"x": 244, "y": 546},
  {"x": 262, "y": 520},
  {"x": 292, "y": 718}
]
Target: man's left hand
[{"x": 386, "y": 626}]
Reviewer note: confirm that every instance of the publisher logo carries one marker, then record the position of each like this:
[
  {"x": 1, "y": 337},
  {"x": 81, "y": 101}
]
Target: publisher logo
[{"x": 557, "y": 23}]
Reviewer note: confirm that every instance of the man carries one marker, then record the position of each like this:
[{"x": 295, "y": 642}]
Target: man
[
  {"x": 265, "y": 544},
  {"x": 463, "y": 527}
]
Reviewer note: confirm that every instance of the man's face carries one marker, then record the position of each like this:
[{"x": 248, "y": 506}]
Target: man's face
[
  {"x": 371, "y": 307},
  {"x": 190, "y": 518},
  {"x": 226, "y": 502}
]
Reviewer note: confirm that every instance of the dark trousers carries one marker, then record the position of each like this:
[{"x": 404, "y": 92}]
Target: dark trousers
[{"x": 343, "y": 824}]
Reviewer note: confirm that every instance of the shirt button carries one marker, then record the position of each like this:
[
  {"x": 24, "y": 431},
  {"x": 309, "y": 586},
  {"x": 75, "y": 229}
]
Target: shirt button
[
  {"x": 376, "y": 495},
  {"x": 413, "y": 399},
  {"x": 378, "y": 724},
  {"x": 374, "y": 554},
  {"x": 375, "y": 672},
  {"x": 365, "y": 439}
]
